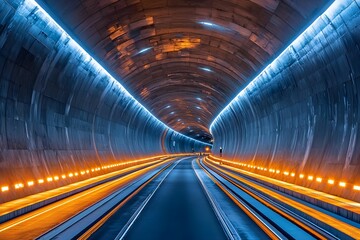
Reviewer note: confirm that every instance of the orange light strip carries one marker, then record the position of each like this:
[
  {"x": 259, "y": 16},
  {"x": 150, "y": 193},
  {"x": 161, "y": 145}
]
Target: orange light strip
[
  {"x": 285, "y": 173},
  {"x": 86, "y": 172},
  {"x": 328, "y": 219},
  {"x": 261, "y": 224}
]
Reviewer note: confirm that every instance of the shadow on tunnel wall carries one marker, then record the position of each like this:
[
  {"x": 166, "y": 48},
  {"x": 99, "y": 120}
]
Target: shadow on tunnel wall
[
  {"x": 301, "y": 113},
  {"x": 60, "y": 110}
]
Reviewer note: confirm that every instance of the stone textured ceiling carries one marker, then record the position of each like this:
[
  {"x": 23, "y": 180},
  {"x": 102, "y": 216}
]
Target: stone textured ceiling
[{"x": 185, "y": 59}]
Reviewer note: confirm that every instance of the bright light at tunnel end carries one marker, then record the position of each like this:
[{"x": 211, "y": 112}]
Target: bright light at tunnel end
[
  {"x": 328, "y": 12},
  {"x": 47, "y": 17}
]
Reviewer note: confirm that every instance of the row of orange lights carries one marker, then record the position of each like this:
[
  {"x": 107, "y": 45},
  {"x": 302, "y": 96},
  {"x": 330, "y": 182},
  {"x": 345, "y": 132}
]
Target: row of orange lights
[
  {"x": 49, "y": 179},
  {"x": 31, "y": 183},
  {"x": 291, "y": 174}
]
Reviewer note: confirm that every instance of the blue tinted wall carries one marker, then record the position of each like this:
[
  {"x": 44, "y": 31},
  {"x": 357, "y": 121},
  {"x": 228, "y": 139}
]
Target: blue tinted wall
[
  {"x": 60, "y": 109},
  {"x": 302, "y": 112}
]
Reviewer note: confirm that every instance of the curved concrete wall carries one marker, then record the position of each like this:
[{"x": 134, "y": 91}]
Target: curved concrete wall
[
  {"x": 302, "y": 112},
  {"x": 59, "y": 109}
]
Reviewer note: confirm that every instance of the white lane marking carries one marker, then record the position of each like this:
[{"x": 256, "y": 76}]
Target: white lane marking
[
  {"x": 226, "y": 225},
  {"x": 122, "y": 233}
]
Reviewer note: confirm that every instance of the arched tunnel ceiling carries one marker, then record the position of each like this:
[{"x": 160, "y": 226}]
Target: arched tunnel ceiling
[{"x": 185, "y": 59}]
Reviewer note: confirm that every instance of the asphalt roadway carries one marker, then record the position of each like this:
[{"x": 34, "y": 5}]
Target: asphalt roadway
[{"x": 179, "y": 209}]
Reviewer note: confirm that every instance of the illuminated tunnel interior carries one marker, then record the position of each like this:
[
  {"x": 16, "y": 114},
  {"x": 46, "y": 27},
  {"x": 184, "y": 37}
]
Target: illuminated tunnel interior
[
  {"x": 267, "y": 87},
  {"x": 62, "y": 110}
]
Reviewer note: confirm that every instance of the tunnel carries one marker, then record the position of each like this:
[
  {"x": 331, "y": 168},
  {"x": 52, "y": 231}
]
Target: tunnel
[{"x": 215, "y": 119}]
